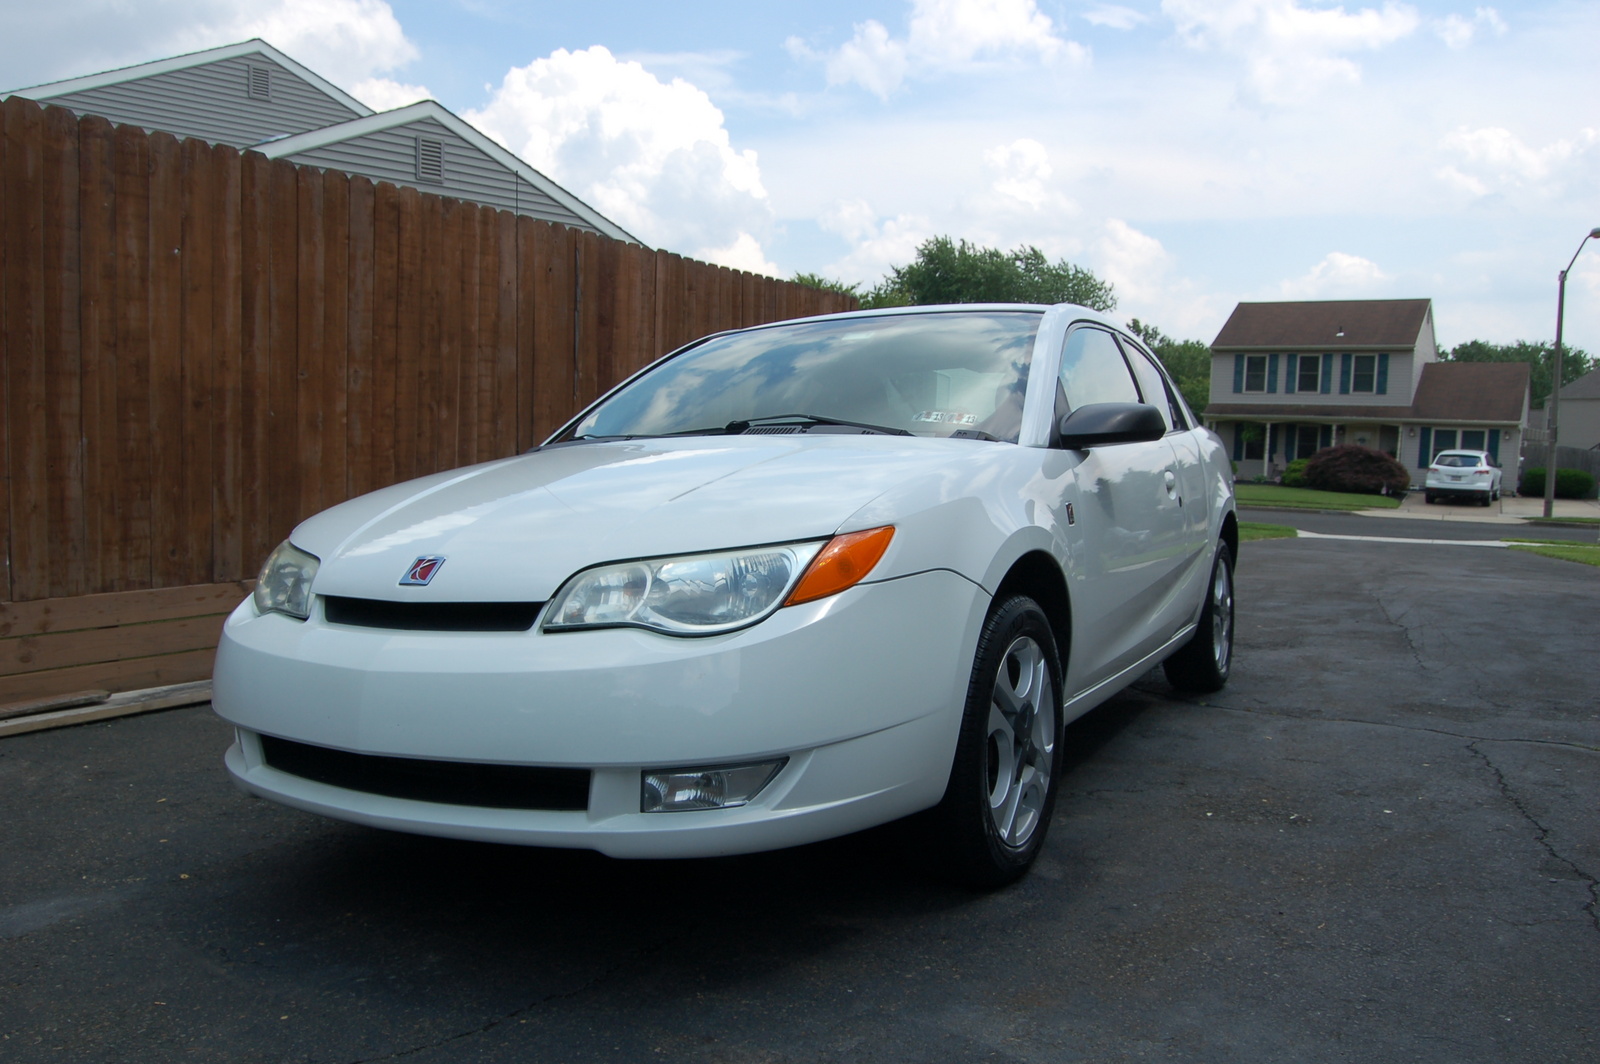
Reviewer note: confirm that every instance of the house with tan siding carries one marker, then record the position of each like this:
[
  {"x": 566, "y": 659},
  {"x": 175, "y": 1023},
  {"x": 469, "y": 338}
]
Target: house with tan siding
[{"x": 1288, "y": 379}]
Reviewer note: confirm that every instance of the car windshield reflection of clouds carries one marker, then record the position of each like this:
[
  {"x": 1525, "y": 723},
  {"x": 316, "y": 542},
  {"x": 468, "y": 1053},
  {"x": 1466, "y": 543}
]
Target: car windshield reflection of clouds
[{"x": 927, "y": 374}]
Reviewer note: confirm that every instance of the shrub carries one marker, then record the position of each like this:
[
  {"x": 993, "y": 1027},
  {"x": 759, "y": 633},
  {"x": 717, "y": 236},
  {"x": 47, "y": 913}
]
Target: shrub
[
  {"x": 1295, "y": 475},
  {"x": 1570, "y": 483},
  {"x": 1356, "y": 470}
]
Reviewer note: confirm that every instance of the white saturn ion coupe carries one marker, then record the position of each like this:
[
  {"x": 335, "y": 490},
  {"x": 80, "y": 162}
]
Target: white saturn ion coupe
[{"x": 787, "y": 583}]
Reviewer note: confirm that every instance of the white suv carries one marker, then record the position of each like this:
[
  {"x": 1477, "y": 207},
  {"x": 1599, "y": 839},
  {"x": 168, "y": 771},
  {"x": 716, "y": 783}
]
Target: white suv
[{"x": 1463, "y": 475}]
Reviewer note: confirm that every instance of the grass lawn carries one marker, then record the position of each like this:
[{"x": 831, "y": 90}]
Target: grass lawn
[
  {"x": 1251, "y": 530},
  {"x": 1307, "y": 499},
  {"x": 1571, "y": 552}
]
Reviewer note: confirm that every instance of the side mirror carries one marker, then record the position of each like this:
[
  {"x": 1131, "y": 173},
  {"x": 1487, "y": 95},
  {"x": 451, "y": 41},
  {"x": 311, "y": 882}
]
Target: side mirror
[{"x": 1103, "y": 424}]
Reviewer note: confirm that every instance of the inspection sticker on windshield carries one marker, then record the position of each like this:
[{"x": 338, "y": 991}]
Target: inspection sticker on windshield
[{"x": 948, "y": 417}]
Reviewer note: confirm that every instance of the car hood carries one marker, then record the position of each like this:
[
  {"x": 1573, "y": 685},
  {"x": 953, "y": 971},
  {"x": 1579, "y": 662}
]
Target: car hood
[{"x": 514, "y": 530}]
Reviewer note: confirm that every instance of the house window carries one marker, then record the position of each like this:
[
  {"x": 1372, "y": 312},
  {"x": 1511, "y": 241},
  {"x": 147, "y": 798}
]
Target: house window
[
  {"x": 1255, "y": 373},
  {"x": 430, "y": 160},
  {"x": 1443, "y": 440},
  {"x": 1306, "y": 438},
  {"x": 258, "y": 83},
  {"x": 1472, "y": 440},
  {"x": 1365, "y": 376},
  {"x": 1309, "y": 379}
]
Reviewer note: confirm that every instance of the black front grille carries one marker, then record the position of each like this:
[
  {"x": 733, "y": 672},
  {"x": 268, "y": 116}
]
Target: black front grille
[
  {"x": 431, "y": 616},
  {"x": 446, "y": 782}
]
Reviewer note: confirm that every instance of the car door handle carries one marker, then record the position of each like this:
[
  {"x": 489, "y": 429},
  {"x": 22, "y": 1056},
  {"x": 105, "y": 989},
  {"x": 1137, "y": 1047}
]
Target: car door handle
[{"x": 1172, "y": 484}]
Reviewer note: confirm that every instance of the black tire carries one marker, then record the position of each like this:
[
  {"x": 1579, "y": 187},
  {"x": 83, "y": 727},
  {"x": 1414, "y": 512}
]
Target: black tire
[
  {"x": 996, "y": 809},
  {"x": 1203, "y": 664},
  {"x": 1427, "y": 497}
]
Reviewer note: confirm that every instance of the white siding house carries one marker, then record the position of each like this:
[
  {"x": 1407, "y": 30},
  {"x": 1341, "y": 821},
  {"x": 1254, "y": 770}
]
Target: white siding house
[
  {"x": 1288, "y": 379},
  {"x": 252, "y": 96}
]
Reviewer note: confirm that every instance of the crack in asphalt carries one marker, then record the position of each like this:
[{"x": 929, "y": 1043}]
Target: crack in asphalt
[
  {"x": 1406, "y": 629},
  {"x": 1542, "y": 835}
]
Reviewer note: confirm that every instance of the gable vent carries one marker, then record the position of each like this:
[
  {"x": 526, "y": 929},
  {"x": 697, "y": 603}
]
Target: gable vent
[
  {"x": 430, "y": 160},
  {"x": 259, "y": 83}
]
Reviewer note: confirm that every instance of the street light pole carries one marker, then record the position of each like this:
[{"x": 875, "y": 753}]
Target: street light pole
[{"x": 1553, "y": 406}]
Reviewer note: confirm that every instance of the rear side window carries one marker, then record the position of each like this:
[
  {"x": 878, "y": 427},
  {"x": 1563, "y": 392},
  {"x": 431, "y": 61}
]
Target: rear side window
[{"x": 1154, "y": 386}]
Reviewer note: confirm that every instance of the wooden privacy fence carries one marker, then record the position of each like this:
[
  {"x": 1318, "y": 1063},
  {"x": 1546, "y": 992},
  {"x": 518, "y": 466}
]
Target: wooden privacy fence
[{"x": 199, "y": 348}]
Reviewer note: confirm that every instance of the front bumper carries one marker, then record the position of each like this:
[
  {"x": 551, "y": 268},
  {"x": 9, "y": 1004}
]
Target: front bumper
[{"x": 862, "y": 692}]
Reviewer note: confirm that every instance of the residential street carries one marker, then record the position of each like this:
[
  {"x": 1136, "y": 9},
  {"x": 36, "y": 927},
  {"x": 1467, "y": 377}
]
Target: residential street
[{"x": 1379, "y": 843}]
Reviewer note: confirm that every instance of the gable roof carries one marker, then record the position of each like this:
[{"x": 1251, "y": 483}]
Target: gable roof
[
  {"x": 400, "y": 116},
  {"x": 1585, "y": 387},
  {"x": 1346, "y": 324},
  {"x": 1471, "y": 391},
  {"x": 256, "y": 46}
]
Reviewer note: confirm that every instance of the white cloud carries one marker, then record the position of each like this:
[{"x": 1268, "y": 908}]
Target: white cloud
[
  {"x": 1290, "y": 50},
  {"x": 1337, "y": 276},
  {"x": 1457, "y": 32},
  {"x": 1134, "y": 262},
  {"x": 878, "y": 245},
  {"x": 1493, "y": 159},
  {"x": 943, "y": 36},
  {"x": 1115, "y": 17},
  {"x": 383, "y": 94},
  {"x": 1022, "y": 171},
  {"x": 654, "y": 157},
  {"x": 743, "y": 254},
  {"x": 345, "y": 41}
]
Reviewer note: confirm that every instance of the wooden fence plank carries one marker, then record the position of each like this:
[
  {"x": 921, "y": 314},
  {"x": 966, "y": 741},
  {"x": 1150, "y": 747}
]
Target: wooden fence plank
[
  {"x": 385, "y": 329},
  {"x": 116, "y": 608},
  {"x": 507, "y": 379},
  {"x": 63, "y": 354},
  {"x": 444, "y": 356},
  {"x": 98, "y": 347},
  {"x": 359, "y": 427},
  {"x": 255, "y": 359},
  {"x": 165, "y": 394},
  {"x": 410, "y": 313},
  {"x": 311, "y": 292},
  {"x": 227, "y": 413},
  {"x": 591, "y": 270},
  {"x": 132, "y": 489},
  {"x": 8, "y": 213},
  {"x": 199, "y": 355},
  {"x": 283, "y": 361},
  {"x": 333, "y": 386},
  {"x": 554, "y": 296},
  {"x": 132, "y": 675},
  {"x": 25, "y": 368},
  {"x": 36, "y": 653}
]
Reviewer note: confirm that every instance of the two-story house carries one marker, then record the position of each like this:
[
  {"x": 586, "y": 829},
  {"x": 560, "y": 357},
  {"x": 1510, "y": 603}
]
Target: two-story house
[
  {"x": 250, "y": 95},
  {"x": 1288, "y": 379}
]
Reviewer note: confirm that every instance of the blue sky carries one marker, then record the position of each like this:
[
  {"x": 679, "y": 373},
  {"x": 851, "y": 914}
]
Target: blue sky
[{"x": 1195, "y": 152}]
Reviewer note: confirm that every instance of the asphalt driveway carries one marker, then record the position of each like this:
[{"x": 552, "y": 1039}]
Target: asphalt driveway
[{"x": 1379, "y": 844}]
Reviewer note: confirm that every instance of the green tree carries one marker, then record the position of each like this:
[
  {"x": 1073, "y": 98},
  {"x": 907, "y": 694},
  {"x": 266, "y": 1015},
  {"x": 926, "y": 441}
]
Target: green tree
[
  {"x": 1188, "y": 361},
  {"x": 827, "y": 284},
  {"x": 950, "y": 272},
  {"x": 1575, "y": 362}
]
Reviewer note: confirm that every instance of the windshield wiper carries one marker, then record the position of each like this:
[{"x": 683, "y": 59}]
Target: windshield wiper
[{"x": 734, "y": 428}]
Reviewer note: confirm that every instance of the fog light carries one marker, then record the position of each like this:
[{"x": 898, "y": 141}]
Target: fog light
[{"x": 722, "y": 787}]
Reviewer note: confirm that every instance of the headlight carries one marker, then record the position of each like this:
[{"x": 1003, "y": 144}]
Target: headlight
[
  {"x": 285, "y": 582},
  {"x": 699, "y": 594}
]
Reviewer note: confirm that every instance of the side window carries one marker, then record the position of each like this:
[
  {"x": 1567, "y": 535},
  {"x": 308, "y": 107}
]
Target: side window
[
  {"x": 1153, "y": 386},
  {"x": 1092, "y": 369}
]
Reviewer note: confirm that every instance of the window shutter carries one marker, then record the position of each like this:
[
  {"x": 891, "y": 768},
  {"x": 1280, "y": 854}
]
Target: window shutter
[
  {"x": 1494, "y": 445},
  {"x": 1327, "y": 373},
  {"x": 1344, "y": 374},
  {"x": 1327, "y": 435},
  {"x": 1238, "y": 373},
  {"x": 1291, "y": 434},
  {"x": 1291, "y": 366},
  {"x": 1383, "y": 374},
  {"x": 1238, "y": 441},
  {"x": 1272, "y": 373},
  {"x": 1424, "y": 448}
]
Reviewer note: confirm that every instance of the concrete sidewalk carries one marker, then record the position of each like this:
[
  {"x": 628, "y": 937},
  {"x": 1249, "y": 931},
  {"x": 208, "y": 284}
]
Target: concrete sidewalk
[{"x": 1508, "y": 511}]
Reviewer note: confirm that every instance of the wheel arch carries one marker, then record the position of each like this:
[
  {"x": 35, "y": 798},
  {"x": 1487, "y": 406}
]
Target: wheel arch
[
  {"x": 1230, "y": 536},
  {"x": 1037, "y": 575}
]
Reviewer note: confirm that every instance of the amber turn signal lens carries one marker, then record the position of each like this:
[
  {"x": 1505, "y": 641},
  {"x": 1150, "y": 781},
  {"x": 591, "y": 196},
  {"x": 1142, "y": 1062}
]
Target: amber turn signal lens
[{"x": 842, "y": 564}]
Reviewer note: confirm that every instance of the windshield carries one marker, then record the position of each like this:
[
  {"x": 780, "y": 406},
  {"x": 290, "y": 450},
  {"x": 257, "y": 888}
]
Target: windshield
[{"x": 924, "y": 374}]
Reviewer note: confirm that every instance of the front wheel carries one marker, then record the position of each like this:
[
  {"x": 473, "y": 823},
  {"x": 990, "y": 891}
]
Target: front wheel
[
  {"x": 1202, "y": 665},
  {"x": 997, "y": 806}
]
